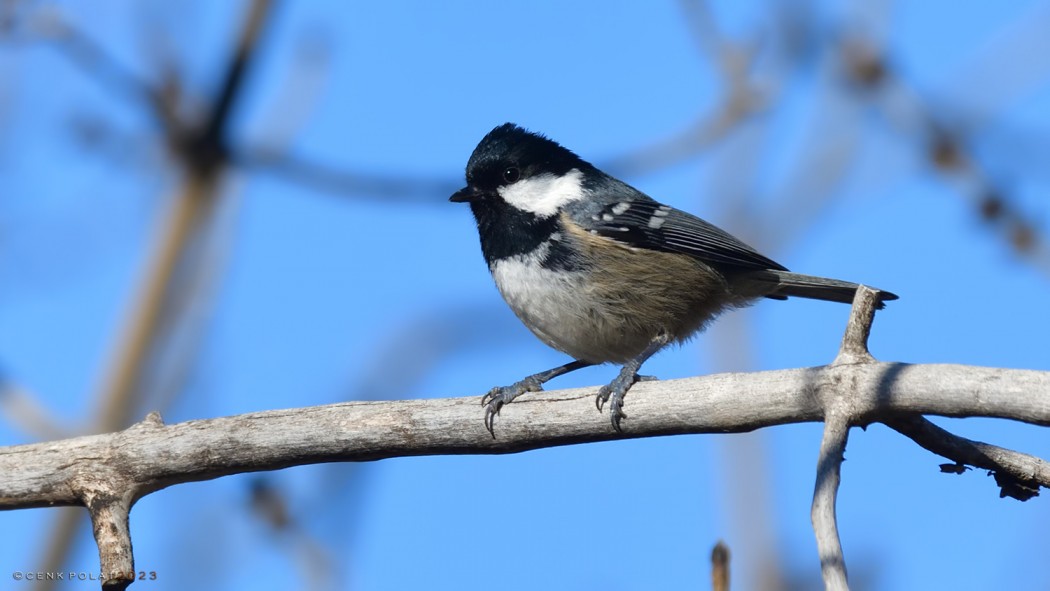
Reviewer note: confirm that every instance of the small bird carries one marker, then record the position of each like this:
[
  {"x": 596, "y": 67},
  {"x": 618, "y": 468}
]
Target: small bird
[{"x": 601, "y": 271}]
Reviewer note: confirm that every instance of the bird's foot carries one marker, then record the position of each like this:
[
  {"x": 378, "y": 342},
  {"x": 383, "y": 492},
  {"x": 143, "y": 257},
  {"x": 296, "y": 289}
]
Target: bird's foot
[
  {"x": 613, "y": 394},
  {"x": 494, "y": 400}
]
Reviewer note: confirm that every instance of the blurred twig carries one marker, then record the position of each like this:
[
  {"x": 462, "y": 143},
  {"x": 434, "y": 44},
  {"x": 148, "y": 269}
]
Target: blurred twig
[
  {"x": 24, "y": 412},
  {"x": 90, "y": 56},
  {"x": 189, "y": 210},
  {"x": 308, "y": 173},
  {"x": 202, "y": 150},
  {"x": 946, "y": 145},
  {"x": 298, "y": 95},
  {"x": 740, "y": 99},
  {"x": 720, "y": 567},
  {"x": 270, "y": 504}
]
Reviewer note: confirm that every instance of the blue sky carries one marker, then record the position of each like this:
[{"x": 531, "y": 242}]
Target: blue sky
[{"x": 323, "y": 297}]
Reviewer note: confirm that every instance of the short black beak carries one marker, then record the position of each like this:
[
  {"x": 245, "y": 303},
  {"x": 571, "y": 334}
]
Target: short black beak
[{"x": 465, "y": 195}]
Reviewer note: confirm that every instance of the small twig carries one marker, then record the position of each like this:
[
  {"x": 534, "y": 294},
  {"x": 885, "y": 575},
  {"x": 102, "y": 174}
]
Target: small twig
[
  {"x": 854, "y": 347},
  {"x": 109, "y": 520},
  {"x": 1019, "y": 475},
  {"x": 720, "y": 567},
  {"x": 825, "y": 493}
]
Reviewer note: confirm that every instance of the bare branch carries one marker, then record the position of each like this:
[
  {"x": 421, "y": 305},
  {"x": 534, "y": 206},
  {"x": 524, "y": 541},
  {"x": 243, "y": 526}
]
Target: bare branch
[
  {"x": 822, "y": 512},
  {"x": 840, "y": 414},
  {"x": 109, "y": 520},
  {"x": 1018, "y": 475},
  {"x": 44, "y": 474}
]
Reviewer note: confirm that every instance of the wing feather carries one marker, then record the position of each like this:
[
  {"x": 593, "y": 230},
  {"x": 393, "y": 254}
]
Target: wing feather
[{"x": 645, "y": 223}]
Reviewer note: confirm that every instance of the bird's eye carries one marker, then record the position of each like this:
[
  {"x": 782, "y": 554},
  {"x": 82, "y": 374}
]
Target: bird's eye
[{"x": 511, "y": 174}]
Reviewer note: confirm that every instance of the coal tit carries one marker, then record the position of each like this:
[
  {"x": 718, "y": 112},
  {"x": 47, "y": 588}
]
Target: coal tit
[{"x": 601, "y": 271}]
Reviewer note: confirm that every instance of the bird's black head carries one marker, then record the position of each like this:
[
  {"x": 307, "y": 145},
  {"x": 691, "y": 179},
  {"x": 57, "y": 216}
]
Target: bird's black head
[
  {"x": 523, "y": 169},
  {"x": 517, "y": 182}
]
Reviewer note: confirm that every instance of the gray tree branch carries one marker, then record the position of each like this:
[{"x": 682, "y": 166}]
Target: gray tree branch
[
  {"x": 150, "y": 455},
  {"x": 839, "y": 415}
]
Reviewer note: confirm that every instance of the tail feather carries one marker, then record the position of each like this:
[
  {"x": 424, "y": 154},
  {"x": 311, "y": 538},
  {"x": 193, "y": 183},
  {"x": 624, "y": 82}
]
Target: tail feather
[{"x": 818, "y": 288}]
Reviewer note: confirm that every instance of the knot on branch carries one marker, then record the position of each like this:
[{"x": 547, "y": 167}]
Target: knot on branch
[{"x": 153, "y": 420}]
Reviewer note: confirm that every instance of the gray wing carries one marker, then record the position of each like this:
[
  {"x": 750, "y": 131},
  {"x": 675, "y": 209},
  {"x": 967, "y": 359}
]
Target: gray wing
[{"x": 639, "y": 221}]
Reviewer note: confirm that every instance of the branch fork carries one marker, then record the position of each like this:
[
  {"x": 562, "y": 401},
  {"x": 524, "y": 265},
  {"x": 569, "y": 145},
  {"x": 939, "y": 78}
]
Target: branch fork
[
  {"x": 1018, "y": 475},
  {"x": 839, "y": 416}
]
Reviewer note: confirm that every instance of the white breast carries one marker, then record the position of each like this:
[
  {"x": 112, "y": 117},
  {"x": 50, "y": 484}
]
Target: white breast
[{"x": 555, "y": 306}]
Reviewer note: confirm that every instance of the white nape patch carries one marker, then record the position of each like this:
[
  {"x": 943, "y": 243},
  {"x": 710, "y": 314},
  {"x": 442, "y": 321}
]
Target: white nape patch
[
  {"x": 620, "y": 208},
  {"x": 546, "y": 194}
]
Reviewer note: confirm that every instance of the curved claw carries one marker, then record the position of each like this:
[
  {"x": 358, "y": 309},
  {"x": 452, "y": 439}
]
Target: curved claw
[
  {"x": 494, "y": 399},
  {"x": 491, "y": 412},
  {"x": 613, "y": 393},
  {"x": 616, "y": 412},
  {"x": 602, "y": 397},
  {"x": 615, "y": 399}
]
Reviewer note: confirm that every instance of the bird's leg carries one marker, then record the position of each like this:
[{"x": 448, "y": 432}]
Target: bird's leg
[
  {"x": 494, "y": 400},
  {"x": 617, "y": 389}
]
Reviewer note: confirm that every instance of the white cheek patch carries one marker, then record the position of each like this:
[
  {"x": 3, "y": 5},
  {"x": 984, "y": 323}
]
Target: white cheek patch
[{"x": 546, "y": 194}]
